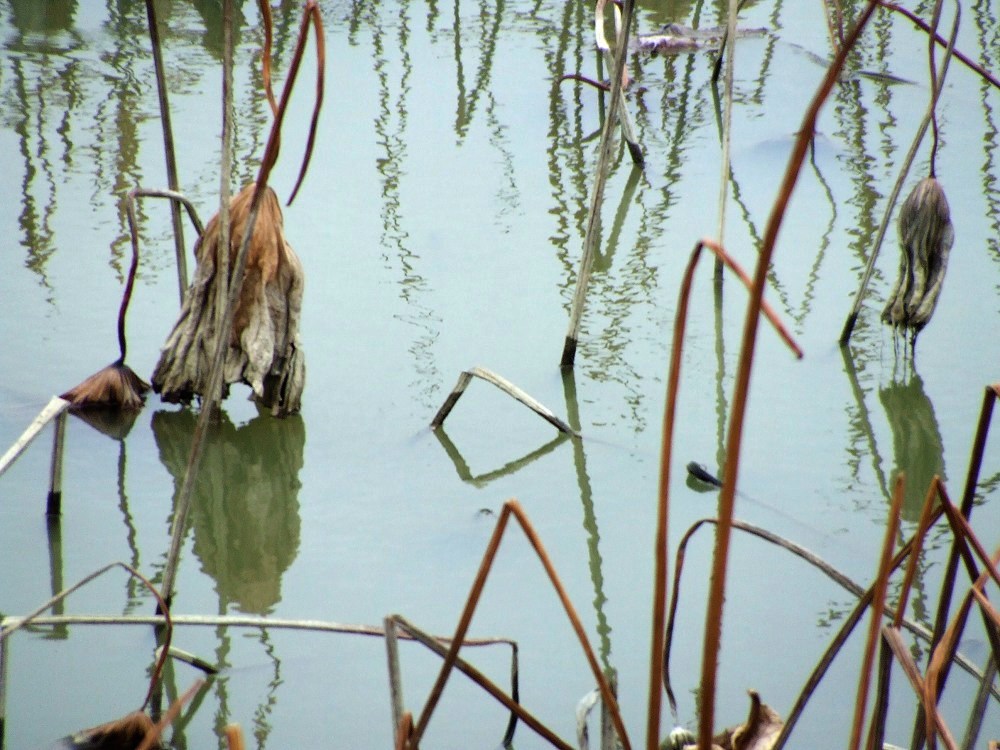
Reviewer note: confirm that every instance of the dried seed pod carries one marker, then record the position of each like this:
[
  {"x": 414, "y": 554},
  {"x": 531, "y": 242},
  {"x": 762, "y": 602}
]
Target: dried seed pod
[{"x": 926, "y": 236}]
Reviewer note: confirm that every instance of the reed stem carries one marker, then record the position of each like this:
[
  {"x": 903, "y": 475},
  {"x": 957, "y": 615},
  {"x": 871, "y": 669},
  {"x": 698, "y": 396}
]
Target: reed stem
[
  {"x": 597, "y": 192},
  {"x": 168, "y": 148},
  {"x": 720, "y": 558}
]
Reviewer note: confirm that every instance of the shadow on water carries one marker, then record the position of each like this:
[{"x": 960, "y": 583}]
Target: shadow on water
[{"x": 245, "y": 513}]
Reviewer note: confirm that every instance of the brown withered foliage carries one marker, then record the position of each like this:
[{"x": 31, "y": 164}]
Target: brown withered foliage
[
  {"x": 925, "y": 236},
  {"x": 263, "y": 344}
]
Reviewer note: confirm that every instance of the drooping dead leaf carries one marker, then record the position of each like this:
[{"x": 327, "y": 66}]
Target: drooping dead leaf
[
  {"x": 926, "y": 236},
  {"x": 113, "y": 387},
  {"x": 263, "y": 345},
  {"x": 758, "y": 732},
  {"x": 126, "y": 733}
]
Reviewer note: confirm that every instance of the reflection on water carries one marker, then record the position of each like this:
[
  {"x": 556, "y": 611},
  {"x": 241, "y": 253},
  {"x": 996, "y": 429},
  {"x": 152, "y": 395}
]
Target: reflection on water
[
  {"x": 245, "y": 511},
  {"x": 916, "y": 439}
]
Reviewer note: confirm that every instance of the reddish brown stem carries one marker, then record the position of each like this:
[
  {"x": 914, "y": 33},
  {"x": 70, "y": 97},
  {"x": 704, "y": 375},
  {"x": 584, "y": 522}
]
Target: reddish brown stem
[
  {"x": 512, "y": 507},
  {"x": 878, "y": 607},
  {"x": 713, "y": 615},
  {"x": 663, "y": 496}
]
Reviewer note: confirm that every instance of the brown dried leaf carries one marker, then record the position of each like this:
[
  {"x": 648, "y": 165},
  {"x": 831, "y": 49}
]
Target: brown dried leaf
[{"x": 758, "y": 732}]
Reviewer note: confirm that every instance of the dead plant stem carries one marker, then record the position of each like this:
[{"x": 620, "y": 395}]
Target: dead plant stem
[
  {"x": 942, "y": 42},
  {"x": 877, "y": 609},
  {"x": 714, "y": 613},
  {"x": 512, "y": 507},
  {"x": 597, "y": 191},
  {"x": 168, "y": 148},
  {"x": 663, "y": 496},
  {"x": 990, "y": 395}
]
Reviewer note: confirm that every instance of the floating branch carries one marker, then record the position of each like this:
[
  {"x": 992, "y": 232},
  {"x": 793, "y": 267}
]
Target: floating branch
[
  {"x": 513, "y": 508},
  {"x": 188, "y": 658},
  {"x": 504, "y": 385}
]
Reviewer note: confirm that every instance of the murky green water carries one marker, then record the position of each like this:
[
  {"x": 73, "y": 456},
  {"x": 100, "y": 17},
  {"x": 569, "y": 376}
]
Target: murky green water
[{"x": 440, "y": 228}]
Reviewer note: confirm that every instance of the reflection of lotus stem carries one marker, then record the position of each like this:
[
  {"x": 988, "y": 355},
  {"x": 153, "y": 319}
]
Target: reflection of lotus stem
[{"x": 168, "y": 147}]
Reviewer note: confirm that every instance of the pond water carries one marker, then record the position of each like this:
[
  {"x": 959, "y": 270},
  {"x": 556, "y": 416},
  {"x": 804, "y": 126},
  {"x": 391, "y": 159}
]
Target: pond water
[{"x": 440, "y": 227}]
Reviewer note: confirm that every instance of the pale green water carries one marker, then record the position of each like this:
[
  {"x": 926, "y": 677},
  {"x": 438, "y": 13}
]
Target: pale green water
[{"x": 440, "y": 228}]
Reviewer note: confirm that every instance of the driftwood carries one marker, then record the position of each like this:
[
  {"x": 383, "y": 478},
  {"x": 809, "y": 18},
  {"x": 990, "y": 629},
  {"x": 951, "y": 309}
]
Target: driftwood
[{"x": 264, "y": 350}]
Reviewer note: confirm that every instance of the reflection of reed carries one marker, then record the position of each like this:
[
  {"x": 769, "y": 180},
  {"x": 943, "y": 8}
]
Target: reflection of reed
[
  {"x": 589, "y": 518},
  {"x": 44, "y": 99},
  {"x": 508, "y": 469},
  {"x": 988, "y": 32},
  {"x": 490, "y": 16},
  {"x": 392, "y": 138},
  {"x": 245, "y": 511}
]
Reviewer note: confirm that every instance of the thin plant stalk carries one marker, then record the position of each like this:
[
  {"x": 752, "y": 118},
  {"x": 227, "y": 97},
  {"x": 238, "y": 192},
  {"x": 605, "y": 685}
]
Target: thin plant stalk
[
  {"x": 597, "y": 192},
  {"x": 714, "y": 611},
  {"x": 152, "y": 737},
  {"x": 508, "y": 701},
  {"x": 168, "y": 148},
  {"x": 210, "y": 400},
  {"x": 852, "y": 318},
  {"x": 266, "y": 21},
  {"x": 226, "y": 158},
  {"x": 52, "y": 410},
  {"x": 978, "y": 710},
  {"x": 876, "y": 733},
  {"x": 171, "y": 195},
  {"x": 990, "y": 395},
  {"x": 8, "y": 630},
  {"x": 727, "y": 125},
  {"x": 877, "y": 609},
  {"x": 895, "y": 643},
  {"x": 663, "y": 495},
  {"x": 940, "y": 657},
  {"x": 836, "y": 644},
  {"x": 513, "y": 508},
  {"x": 624, "y": 116}
]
